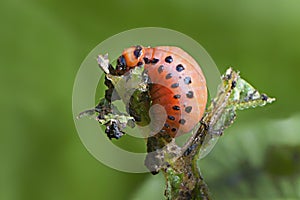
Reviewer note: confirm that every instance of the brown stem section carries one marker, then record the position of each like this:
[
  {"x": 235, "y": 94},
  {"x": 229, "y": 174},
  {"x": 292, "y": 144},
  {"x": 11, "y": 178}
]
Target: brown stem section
[{"x": 191, "y": 184}]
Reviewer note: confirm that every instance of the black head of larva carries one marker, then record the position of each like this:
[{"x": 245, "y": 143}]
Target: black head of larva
[{"x": 121, "y": 64}]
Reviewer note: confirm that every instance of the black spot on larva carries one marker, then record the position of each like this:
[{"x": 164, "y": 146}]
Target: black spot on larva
[
  {"x": 190, "y": 94},
  {"x": 137, "y": 52},
  {"x": 139, "y": 63},
  {"x": 176, "y": 96},
  {"x": 166, "y": 125},
  {"x": 174, "y": 129},
  {"x": 169, "y": 75},
  {"x": 174, "y": 85},
  {"x": 179, "y": 68},
  {"x": 146, "y": 60},
  {"x": 160, "y": 69},
  {"x": 176, "y": 108},
  {"x": 170, "y": 117},
  {"x": 187, "y": 80},
  {"x": 188, "y": 109},
  {"x": 181, "y": 121},
  {"x": 154, "y": 60},
  {"x": 169, "y": 59}
]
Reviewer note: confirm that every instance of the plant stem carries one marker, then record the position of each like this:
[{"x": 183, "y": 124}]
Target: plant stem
[{"x": 180, "y": 164}]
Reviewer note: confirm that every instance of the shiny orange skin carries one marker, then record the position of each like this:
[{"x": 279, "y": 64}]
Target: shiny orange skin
[{"x": 177, "y": 83}]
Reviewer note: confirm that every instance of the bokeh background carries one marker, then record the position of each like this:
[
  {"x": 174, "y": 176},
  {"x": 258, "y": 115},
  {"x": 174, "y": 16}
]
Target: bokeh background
[{"x": 42, "y": 44}]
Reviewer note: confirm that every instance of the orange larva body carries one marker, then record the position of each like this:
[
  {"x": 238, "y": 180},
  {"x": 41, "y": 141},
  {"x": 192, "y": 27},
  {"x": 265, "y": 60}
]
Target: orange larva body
[{"x": 177, "y": 84}]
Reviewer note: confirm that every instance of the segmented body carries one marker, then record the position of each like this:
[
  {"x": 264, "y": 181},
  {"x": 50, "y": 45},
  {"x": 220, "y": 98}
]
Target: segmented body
[{"x": 177, "y": 84}]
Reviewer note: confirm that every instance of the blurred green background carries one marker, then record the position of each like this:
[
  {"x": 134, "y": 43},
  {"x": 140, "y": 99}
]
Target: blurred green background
[{"x": 43, "y": 44}]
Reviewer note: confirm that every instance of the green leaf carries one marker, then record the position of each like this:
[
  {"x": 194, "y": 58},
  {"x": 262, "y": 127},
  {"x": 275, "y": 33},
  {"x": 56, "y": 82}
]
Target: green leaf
[
  {"x": 252, "y": 161},
  {"x": 260, "y": 160}
]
